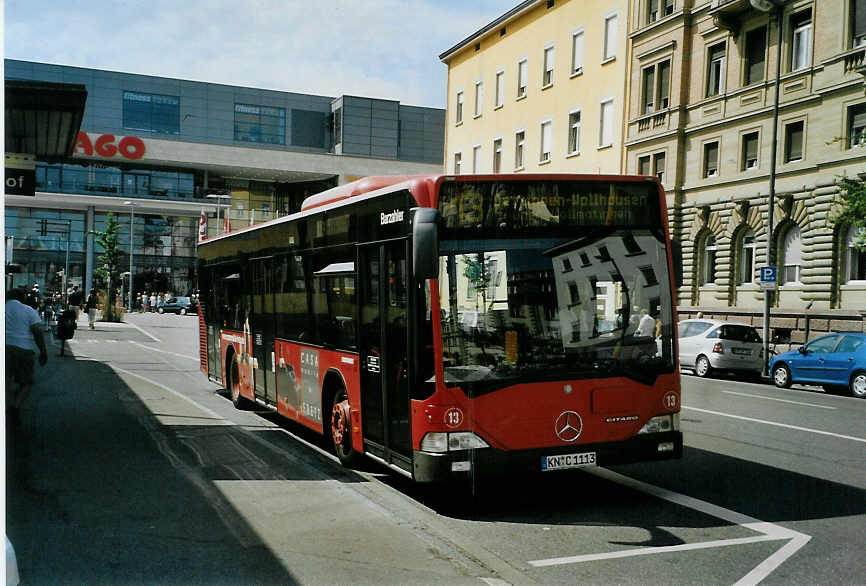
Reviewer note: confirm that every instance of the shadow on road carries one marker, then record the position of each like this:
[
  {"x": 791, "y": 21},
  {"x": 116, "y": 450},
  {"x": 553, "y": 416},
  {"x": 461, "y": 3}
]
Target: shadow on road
[{"x": 93, "y": 499}]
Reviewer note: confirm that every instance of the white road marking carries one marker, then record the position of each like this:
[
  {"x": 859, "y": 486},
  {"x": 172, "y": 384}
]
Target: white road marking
[
  {"x": 164, "y": 351},
  {"x": 210, "y": 412},
  {"x": 773, "y": 423},
  {"x": 768, "y": 531},
  {"x": 780, "y": 400},
  {"x": 152, "y": 337}
]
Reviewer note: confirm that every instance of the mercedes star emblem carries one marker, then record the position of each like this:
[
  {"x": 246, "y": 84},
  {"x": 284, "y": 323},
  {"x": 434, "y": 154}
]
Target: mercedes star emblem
[{"x": 568, "y": 426}]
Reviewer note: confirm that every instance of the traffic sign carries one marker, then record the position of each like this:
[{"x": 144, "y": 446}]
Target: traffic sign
[{"x": 768, "y": 278}]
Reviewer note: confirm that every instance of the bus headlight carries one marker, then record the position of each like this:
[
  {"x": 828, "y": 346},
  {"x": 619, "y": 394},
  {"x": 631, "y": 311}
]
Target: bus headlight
[
  {"x": 662, "y": 423},
  {"x": 440, "y": 442}
]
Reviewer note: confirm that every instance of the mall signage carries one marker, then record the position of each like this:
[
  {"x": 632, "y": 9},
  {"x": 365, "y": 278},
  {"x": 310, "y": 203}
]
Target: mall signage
[
  {"x": 20, "y": 174},
  {"x": 109, "y": 146}
]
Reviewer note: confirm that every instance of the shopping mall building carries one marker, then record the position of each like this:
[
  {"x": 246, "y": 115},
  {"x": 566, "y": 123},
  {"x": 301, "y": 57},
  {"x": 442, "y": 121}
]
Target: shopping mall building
[{"x": 163, "y": 151}]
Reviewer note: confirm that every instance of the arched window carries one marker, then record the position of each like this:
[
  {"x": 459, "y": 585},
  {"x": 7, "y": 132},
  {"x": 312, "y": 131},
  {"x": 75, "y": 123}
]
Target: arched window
[
  {"x": 792, "y": 255},
  {"x": 746, "y": 271},
  {"x": 708, "y": 267},
  {"x": 855, "y": 259}
]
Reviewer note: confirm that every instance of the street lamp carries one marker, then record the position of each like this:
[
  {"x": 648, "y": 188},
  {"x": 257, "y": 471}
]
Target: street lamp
[
  {"x": 777, "y": 7},
  {"x": 219, "y": 197},
  {"x": 131, "y": 205}
]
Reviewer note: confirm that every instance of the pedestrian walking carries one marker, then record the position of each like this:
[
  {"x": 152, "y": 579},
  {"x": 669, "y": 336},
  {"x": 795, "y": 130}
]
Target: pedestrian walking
[
  {"x": 75, "y": 299},
  {"x": 24, "y": 336},
  {"x": 91, "y": 306},
  {"x": 153, "y": 301}
]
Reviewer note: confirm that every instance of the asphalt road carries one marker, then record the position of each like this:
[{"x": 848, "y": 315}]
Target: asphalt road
[{"x": 131, "y": 468}]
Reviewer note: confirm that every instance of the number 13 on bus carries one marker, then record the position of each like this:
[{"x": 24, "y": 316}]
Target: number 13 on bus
[{"x": 450, "y": 327}]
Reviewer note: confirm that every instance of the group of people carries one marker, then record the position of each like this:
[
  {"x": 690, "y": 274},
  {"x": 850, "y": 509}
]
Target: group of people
[{"x": 146, "y": 302}]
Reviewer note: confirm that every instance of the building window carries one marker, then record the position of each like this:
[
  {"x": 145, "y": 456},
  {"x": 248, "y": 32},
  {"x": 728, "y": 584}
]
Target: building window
[
  {"x": 652, "y": 164},
  {"x": 756, "y": 49},
  {"x": 657, "y": 9},
  {"x": 801, "y": 40},
  {"x": 659, "y": 165},
  {"x": 750, "y": 151},
  {"x": 500, "y": 88},
  {"x": 151, "y": 112},
  {"x": 858, "y": 23},
  {"x": 716, "y": 69},
  {"x": 746, "y": 274},
  {"x": 546, "y": 139},
  {"x": 605, "y": 130},
  {"x": 794, "y": 141},
  {"x": 711, "y": 159},
  {"x": 574, "y": 132},
  {"x": 260, "y": 124},
  {"x": 547, "y": 74},
  {"x": 857, "y": 126},
  {"x": 338, "y": 126},
  {"x": 522, "y": 70},
  {"x": 519, "y": 140},
  {"x": 497, "y": 155},
  {"x": 855, "y": 258},
  {"x": 708, "y": 269},
  {"x": 458, "y": 162},
  {"x": 476, "y": 158},
  {"x": 458, "y": 111},
  {"x": 610, "y": 34},
  {"x": 792, "y": 255},
  {"x": 479, "y": 97},
  {"x": 656, "y": 87},
  {"x": 577, "y": 50}
]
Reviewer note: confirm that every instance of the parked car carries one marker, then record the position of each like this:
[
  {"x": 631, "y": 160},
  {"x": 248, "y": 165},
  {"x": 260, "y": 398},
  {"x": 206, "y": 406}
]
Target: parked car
[
  {"x": 836, "y": 361},
  {"x": 707, "y": 345},
  {"x": 181, "y": 305}
]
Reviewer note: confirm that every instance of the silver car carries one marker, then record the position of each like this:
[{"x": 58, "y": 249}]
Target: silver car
[{"x": 707, "y": 345}]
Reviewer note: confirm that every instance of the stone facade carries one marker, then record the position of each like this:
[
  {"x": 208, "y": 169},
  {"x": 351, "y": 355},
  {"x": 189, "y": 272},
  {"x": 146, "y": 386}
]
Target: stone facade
[{"x": 708, "y": 131}]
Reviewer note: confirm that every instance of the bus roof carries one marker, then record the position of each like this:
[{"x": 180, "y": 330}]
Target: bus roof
[{"x": 421, "y": 187}]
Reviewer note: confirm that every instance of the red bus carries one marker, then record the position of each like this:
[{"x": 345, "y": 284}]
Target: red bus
[{"x": 455, "y": 326}]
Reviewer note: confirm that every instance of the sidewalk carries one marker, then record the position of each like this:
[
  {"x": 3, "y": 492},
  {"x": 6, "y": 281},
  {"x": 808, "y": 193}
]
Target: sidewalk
[{"x": 90, "y": 497}]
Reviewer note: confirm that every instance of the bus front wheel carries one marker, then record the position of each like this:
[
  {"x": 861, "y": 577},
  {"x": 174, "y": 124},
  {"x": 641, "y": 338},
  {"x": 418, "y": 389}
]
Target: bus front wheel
[
  {"x": 341, "y": 428},
  {"x": 234, "y": 383}
]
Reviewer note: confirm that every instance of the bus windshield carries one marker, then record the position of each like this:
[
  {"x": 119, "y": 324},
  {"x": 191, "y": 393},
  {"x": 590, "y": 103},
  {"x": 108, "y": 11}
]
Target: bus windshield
[{"x": 551, "y": 281}]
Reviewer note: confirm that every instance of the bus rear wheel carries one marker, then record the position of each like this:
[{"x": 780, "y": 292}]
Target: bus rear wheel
[{"x": 341, "y": 428}]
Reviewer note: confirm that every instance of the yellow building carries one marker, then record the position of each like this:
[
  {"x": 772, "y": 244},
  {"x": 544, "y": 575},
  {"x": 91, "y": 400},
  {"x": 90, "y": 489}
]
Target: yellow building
[{"x": 539, "y": 89}]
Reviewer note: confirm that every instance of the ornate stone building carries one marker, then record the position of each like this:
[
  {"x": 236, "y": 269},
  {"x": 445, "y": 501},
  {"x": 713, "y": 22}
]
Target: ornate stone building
[{"x": 700, "y": 112}]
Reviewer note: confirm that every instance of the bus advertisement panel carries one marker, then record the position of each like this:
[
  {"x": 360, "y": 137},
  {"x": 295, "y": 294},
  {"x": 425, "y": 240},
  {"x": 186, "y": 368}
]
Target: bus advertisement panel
[{"x": 452, "y": 327}]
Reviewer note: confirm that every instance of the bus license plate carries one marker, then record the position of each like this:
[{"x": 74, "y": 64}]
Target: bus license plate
[{"x": 566, "y": 461}]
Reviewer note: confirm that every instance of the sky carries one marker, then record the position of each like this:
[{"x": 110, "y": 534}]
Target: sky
[{"x": 380, "y": 48}]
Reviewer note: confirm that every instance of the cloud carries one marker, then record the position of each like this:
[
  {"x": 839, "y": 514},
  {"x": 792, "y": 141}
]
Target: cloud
[{"x": 385, "y": 49}]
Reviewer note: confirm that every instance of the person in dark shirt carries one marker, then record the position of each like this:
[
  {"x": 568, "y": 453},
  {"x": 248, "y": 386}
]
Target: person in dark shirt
[{"x": 75, "y": 299}]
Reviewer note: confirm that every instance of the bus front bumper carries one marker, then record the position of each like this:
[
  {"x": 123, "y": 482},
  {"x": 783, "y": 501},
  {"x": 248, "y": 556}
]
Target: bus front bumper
[{"x": 490, "y": 462}]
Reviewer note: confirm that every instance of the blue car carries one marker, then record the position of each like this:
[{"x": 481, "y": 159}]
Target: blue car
[{"x": 836, "y": 361}]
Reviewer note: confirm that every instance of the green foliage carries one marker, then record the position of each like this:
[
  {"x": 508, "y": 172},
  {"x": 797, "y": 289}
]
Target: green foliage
[
  {"x": 108, "y": 263},
  {"x": 853, "y": 210}
]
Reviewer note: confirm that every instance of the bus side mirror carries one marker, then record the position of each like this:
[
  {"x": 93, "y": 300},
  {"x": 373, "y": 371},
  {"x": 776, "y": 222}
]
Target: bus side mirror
[{"x": 425, "y": 243}]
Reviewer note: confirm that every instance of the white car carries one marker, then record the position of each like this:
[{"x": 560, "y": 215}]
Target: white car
[{"x": 706, "y": 345}]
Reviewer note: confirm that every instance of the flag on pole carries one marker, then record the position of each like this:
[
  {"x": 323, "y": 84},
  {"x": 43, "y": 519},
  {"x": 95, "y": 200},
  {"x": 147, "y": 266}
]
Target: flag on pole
[{"x": 202, "y": 226}]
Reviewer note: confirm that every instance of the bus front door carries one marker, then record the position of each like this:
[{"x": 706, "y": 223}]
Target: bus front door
[{"x": 384, "y": 352}]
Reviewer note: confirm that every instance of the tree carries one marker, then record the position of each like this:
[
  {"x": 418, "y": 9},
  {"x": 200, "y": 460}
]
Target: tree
[
  {"x": 852, "y": 212},
  {"x": 108, "y": 262}
]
